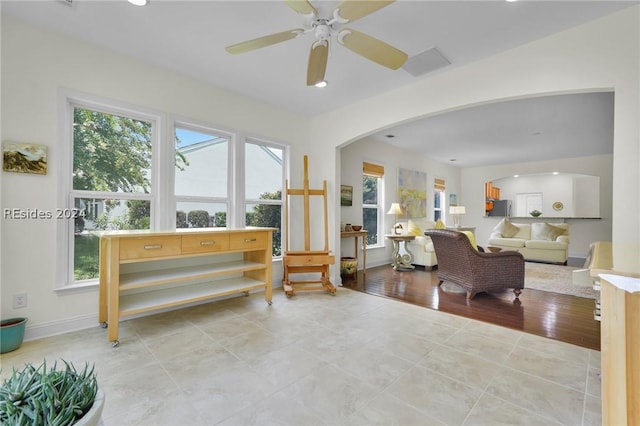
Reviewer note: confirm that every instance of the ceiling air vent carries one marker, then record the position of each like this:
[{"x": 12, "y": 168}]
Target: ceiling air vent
[{"x": 425, "y": 62}]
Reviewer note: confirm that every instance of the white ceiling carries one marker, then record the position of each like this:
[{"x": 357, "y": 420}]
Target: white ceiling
[
  {"x": 189, "y": 37},
  {"x": 534, "y": 129}
]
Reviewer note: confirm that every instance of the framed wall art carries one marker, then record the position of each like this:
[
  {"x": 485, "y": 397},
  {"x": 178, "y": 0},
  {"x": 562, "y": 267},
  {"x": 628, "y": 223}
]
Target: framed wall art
[
  {"x": 346, "y": 195},
  {"x": 24, "y": 158},
  {"x": 412, "y": 193}
]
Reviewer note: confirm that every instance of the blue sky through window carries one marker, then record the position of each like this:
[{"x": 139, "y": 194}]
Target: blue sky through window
[{"x": 190, "y": 137}]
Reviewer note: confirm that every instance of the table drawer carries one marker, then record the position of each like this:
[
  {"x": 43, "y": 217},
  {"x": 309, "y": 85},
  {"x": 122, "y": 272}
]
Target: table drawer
[
  {"x": 208, "y": 243},
  {"x": 146, "y": 247},
  {"x": 248, "y": 240}
]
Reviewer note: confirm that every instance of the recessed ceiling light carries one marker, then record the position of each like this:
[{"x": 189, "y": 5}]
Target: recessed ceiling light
[
  {"x": 138, "y": 2},
  {"x": 556, "y": 173},
  {"x": 322, "y": 83},
  {"x": 389, "y": 136},
  {"x": 452, "y": 159},
  {"x": 516, "y": 176}
]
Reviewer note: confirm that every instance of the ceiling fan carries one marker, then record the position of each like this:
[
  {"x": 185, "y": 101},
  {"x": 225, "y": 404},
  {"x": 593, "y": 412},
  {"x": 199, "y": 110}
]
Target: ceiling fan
[{"x": 326, "y": 28}]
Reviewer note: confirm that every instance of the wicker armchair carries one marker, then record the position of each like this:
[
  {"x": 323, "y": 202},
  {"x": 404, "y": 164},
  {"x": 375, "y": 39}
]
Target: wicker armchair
[{"x": 475, "y": 271}]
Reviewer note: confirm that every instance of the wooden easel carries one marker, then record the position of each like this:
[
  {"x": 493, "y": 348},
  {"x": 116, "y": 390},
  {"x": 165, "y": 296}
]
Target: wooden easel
[{"x": 307, "y": 261}]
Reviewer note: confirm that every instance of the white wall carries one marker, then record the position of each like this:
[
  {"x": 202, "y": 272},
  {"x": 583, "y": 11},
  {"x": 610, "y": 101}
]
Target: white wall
[
  {"x": 353, "y": 155},
  {"x": 36, "y": 64},
  {"x": 600, "y": 55}
]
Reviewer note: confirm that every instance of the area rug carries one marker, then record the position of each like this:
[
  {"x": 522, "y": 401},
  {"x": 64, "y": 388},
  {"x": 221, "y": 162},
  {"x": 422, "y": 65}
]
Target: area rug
[{"x": 554, "y": 278}]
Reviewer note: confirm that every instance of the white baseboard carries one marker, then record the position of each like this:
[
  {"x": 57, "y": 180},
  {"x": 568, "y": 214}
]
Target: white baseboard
[{"x": 54, "y": 328}]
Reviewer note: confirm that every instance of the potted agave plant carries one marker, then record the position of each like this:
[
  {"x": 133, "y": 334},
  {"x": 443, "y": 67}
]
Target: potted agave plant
[{"x": 51, "y": 396}]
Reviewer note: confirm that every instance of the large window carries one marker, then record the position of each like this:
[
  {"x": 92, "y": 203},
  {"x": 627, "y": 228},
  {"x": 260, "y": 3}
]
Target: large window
[
  {"x": 201, "y": 178},
  {"x": 111, "y": 181},
  {"x": 438, "y": 199},
  {"x": 123, "y": 172},
  {"x": 372, "y": 175},
  {"x": 264, "y": 180}
]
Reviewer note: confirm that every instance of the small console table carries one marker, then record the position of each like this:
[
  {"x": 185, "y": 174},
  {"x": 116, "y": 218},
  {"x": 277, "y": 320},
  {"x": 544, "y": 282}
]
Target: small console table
[
  {"x": 401, "y": 262},
  {"x": 355, "y": 235}
]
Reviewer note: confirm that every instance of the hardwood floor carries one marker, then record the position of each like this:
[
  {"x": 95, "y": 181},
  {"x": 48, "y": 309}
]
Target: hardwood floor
[{"x": 553, "y": 315}]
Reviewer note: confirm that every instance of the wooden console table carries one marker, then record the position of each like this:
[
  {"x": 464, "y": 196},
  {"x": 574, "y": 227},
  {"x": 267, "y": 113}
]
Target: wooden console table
[
  {"x": 355, "y": 235},
  {"x": 143, "y": 271}
]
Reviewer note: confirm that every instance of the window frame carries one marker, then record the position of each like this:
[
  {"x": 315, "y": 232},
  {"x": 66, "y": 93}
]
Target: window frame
[
  {"x": 231, "y": 148},
  {"x": 256, "y": 201},
  {"x": 439, "y": 190},
  {"x": 378, "y": 208},
  {"x": 67, "y": 102}
]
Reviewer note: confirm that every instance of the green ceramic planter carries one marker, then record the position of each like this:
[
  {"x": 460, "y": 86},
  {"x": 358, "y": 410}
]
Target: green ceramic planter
[{"x": 11, "y": 334}]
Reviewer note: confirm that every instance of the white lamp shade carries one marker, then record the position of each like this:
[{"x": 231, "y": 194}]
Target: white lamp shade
[
  {"x": 395, "y": 209},
  {"x": 457, "y": 210}
]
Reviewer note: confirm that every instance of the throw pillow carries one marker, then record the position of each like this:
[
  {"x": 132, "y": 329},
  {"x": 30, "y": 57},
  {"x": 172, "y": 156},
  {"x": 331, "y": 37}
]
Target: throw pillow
[
  {"x": 545, "y": 232},
  {"x": 472, "y": 239},
  {"x": 510, "y": 229},
  {"x": 440, "y": 224},
  {"x": 414, "y": 229},
  {"x": 506, "y": 228},
  {"x": 555, "y": 232}
]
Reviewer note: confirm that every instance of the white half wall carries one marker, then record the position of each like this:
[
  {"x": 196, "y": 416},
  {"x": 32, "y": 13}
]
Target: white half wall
[{"x": 582, "y": 231}]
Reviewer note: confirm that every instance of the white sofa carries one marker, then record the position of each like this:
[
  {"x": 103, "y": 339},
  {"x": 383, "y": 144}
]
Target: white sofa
[
  {"x": 538, "y": 241},
  {"x": 422, "y": 248}
]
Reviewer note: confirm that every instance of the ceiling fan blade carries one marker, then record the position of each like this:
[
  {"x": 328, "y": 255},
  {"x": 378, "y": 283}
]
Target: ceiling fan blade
[
  {"x": 350, "y": 10},
  {"x": 302, "y": 6},
  {"x": 373, "y": 49},
  {"x": 257, "y": 43},
  {"x": 317, "y": 62}
]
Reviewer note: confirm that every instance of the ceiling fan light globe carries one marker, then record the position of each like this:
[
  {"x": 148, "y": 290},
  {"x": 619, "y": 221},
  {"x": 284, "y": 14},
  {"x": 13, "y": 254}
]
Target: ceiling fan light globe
[{"x": 321, "y": 84}]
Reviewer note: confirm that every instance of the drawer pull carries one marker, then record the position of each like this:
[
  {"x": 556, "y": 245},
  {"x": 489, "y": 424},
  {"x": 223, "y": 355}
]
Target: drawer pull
[
  {"x": 250, "y": 240},
  {"x": 152, "y": 246},
  {"x": 208, "y": 243}
]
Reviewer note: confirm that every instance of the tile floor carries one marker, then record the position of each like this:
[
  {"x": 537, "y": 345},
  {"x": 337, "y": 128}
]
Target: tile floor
[{"x": 316, "y": 359}]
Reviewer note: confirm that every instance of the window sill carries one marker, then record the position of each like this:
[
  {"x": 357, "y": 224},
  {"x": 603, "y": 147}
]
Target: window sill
[{"x": 89, "y": 285}]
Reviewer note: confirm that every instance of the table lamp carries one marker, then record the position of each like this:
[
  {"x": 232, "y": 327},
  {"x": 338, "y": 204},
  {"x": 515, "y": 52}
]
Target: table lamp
[
  {"x": 395, "y": 209},
  {"x": 456, "y": 211}
]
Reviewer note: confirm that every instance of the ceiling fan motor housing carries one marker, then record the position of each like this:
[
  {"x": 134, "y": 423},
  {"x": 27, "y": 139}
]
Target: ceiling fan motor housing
[{"x": 322, "y": 29}]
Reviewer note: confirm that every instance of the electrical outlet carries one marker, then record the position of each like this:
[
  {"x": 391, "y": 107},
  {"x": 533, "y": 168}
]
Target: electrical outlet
[{"x": 19, "y": 300}]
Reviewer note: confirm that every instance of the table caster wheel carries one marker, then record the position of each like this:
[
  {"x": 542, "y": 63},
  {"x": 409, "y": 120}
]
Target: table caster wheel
[
  {"x": 104, "y": 324},
  {"x": 115, "y": 343},
  {"x": 269, "y": 303}
]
